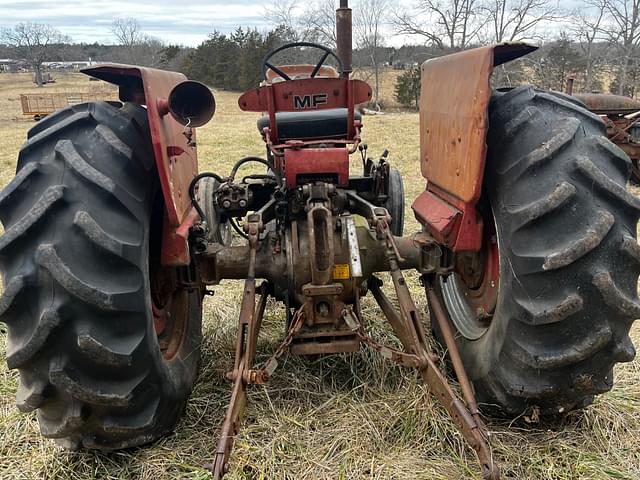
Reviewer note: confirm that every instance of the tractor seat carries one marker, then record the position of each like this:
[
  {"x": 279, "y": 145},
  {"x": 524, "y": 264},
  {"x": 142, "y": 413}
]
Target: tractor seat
[{"x": 311, "y": 125}]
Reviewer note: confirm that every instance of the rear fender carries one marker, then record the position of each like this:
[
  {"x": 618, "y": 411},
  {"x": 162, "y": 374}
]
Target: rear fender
[
  {"x": 176, "y": 160},
  {"x": 454, "y": 101}
]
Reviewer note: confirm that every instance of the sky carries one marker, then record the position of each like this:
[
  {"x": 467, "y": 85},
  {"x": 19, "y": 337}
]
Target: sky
[
  {"x": 183, "y": 22},
  {"x": 180, "y": 22}
]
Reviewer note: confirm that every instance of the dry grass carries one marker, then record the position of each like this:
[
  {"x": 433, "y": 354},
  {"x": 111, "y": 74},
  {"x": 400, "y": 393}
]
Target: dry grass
[{"x": 335, "y": 417}]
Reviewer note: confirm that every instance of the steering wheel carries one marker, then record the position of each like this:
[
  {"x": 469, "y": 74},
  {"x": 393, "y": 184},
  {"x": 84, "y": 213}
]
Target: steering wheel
[{"x": 267, "y": 65}]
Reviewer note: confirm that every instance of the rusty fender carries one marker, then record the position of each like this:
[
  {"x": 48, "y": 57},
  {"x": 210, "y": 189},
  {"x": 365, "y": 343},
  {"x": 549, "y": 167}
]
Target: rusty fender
[
  {"x": 175, "y": 154},
  {"x": 454, "y": 120}
]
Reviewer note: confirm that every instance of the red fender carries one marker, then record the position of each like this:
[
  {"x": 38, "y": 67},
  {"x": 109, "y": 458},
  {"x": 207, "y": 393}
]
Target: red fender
[
  {"x": 455, "y": 94},
  {"x": 176, "y": 160}
]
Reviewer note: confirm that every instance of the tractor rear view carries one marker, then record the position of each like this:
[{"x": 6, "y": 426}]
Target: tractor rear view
[{"x": 527, "y": 251}]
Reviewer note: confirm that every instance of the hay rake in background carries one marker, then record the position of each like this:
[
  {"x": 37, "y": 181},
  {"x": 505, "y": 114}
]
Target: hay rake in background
[
  {"x": 39, "y": 105},
  {"x": 112, "y": 237}
]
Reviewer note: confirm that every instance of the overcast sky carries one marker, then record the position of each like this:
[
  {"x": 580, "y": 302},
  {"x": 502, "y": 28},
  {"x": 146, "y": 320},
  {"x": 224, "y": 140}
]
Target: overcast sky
[
  {"x": 182, "y": 22},
  {"x": 186, "y": 22}
]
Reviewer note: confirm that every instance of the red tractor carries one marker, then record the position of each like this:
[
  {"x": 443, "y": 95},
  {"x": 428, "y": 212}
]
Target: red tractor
[
  {"x": 527, "y": 250},
  {"x": 620, "y": 115}
]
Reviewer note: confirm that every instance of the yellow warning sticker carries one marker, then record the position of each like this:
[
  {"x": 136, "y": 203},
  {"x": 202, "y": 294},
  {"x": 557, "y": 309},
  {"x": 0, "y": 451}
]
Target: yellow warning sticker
[{"x": 341, "y": 271}]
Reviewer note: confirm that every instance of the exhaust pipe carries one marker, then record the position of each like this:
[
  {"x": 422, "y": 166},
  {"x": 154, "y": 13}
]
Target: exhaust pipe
[
  {"x": 344, "y": 40},
  {"x": 191, "y": 103}
]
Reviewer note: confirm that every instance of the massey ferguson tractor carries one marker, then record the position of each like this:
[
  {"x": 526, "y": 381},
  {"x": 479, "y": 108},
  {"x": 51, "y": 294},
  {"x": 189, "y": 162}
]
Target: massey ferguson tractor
[{"x": 527, "y": 250}]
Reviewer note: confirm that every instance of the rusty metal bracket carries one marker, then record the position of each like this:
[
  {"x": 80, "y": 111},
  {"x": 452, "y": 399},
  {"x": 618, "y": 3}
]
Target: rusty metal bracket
[
  {"x": 452, "y": 349},
  {"x": 247, "y": 333},
  {"x": 249, "y": 323},
  {"x": 624, "y": 132},
  {"x": 243, "y": 376},
  {"x": 408, "y": 326}
]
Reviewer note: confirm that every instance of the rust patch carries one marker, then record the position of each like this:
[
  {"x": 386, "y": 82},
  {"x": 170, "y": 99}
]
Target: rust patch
[{"x": 454, "y": 117}]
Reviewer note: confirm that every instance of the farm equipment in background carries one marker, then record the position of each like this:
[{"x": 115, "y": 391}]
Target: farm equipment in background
[
  {"x": 39, "y": 105},
  {"x": 620, "y": 115},
  {"x": 112, "y": 237}
]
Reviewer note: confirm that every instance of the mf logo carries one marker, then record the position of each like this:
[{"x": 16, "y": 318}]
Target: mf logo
[{"x": 304, "y": 102}]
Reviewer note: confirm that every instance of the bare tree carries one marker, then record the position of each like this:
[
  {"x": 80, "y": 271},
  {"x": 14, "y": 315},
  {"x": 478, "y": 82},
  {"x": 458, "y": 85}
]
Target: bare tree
[
  {"x": 516, "y": 20},
  {"x": 369, "y": 21},
  {"x": 127, "y": 32},
  {"x": 139, "y": 48},
  {"x": 624, "y": 30},
  {"x": 33, "y": 42},
  {"x": 319, "y": 22},
  {"x": 285, "y": 13},
  {"x": 587, "y": 30},
  {"x": 451, "y": 24}
]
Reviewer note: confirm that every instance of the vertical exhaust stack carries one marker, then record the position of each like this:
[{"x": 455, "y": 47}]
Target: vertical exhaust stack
[{"x": 344, "y": 31}]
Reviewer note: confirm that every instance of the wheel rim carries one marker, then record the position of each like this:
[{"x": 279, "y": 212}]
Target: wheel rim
[
  {"x": 170, "y": 307},
  {"x": 169, "y": 299},
  {"x": 470, "y": 295}
]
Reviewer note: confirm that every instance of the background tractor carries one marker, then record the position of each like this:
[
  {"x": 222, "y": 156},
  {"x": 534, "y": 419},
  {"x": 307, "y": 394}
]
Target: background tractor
[
  {"x": 527, "y": 251},
  {"x": 620, "y": 115}
]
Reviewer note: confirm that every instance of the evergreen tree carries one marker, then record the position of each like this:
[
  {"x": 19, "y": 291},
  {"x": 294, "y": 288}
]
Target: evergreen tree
[
  {"x": 408, "y": 87},
  {"x": 233, "y": 62}
]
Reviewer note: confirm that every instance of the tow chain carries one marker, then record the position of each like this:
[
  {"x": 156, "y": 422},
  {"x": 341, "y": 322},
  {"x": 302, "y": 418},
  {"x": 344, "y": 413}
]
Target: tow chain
[
  {"x": 396, "y": 356},
  {"x": 262, "y": 375}
]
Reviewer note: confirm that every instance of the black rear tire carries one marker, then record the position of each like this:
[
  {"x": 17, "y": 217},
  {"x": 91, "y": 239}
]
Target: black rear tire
[
  {"x": 76, "y": 258},
  {"x": 569, "y": 261}
]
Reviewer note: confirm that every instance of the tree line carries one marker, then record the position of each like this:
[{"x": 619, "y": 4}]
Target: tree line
[
  {"x": 32, "y": 44},
  {"x": 599, "y": 44},
  {"x": 596, "y": 42}
]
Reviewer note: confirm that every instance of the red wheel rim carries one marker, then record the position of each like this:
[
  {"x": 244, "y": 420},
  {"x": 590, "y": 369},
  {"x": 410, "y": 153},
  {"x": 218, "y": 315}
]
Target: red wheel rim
[
  {"x": 170, "y": 307},
  {"x": 471, "y": 293}
]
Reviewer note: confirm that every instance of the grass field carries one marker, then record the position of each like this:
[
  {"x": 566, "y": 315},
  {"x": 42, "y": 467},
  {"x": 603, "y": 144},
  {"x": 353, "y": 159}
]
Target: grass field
[{"x": 337, "y": 417}]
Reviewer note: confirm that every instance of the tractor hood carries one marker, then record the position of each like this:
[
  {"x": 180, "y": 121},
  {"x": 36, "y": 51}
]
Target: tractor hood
[{"x": 605, "y": 104}]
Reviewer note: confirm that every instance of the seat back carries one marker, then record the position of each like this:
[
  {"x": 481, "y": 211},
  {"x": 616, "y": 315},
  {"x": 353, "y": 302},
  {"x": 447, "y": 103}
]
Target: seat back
[
  {"x": 311, "y": 125},
  {"x": 309, "y": 97}
]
